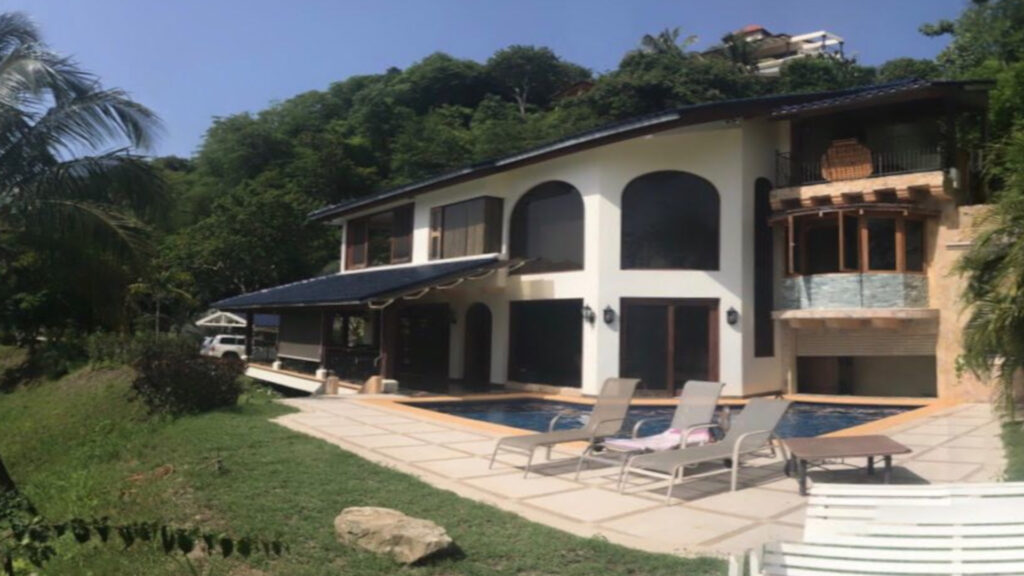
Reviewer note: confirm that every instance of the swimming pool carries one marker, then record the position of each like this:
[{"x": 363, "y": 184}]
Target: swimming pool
[{"x": 802, "y": 418}]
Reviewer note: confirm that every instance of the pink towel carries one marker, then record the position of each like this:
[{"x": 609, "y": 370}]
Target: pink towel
[{"x": 665, "y": 441}]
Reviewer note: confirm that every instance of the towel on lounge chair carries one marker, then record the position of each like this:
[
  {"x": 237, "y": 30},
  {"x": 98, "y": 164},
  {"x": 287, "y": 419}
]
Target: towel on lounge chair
[{"x": 667, "y": 440}]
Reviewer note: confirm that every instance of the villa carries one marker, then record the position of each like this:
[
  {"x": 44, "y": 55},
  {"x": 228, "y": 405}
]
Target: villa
[{"x": 799, "y": 244}]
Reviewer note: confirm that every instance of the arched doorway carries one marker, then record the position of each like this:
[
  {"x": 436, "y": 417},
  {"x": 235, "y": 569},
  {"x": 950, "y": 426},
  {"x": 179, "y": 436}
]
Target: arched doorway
[{"x": 477, "y": 361}]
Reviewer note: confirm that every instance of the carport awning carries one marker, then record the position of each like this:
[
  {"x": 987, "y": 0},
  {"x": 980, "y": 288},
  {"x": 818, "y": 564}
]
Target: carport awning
[{"x": 361, "y": 287}]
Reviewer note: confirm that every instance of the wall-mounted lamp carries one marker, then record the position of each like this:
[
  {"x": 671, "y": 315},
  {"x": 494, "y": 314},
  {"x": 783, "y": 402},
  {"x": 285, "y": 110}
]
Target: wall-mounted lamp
[
  {"x": 588, "y": 314},
  {"x": 609, "y": 315},
  {"x": 732, "y": 316}
]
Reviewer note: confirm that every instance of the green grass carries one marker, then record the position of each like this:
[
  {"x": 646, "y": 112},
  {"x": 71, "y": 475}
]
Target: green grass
[
  {"x": 1013, "y": 441},
  {"x": 78, "y": 446}
]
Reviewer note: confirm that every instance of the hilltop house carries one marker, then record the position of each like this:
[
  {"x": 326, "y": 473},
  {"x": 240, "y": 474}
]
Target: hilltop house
[
  {"x": 794, "y": 243},
  {"x": 767, "y": 52}
]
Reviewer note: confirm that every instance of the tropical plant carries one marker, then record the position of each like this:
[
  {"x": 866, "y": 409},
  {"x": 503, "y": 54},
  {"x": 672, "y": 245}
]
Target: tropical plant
[
  {"x": 29, "y": 540},
  {"x": 994, "y": 273},
  {"x": 69, "y": 170},
  {"x": 666, "y": 42}
]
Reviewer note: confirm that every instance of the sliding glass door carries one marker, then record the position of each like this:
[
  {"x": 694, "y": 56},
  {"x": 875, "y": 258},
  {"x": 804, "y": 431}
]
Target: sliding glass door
[{"x": 666, "y": 342}]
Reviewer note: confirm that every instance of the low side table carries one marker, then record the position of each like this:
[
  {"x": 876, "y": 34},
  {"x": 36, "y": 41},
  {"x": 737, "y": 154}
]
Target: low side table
[{"x": 810, "y": 450}]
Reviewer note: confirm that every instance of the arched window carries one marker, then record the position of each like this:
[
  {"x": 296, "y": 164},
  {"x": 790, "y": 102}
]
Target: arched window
[
  {"x": 670, "y": 220},
  {"x": 547, "y": 229}
]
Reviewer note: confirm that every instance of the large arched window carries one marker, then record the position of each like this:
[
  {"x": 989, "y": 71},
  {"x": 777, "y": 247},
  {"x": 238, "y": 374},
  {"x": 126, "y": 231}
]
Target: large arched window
[
  {"x": 670, "y": 220},
  {"x": 547, "y": 229}
]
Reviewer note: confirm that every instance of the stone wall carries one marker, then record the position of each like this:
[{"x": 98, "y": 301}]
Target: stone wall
[{"x": 838, "y": 291}]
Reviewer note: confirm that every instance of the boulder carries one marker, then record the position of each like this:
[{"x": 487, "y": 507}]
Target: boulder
[{"x": 385, "y": 531}]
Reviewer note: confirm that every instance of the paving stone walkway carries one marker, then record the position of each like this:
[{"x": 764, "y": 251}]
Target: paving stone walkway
[{"x": 957, "y": 444}]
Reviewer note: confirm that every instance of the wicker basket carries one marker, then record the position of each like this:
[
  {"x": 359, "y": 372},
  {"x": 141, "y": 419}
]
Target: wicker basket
[{"x": 846, "y": 160}]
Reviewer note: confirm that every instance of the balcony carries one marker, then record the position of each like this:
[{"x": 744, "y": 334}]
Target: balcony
[
  {"x": 848, "y": 161},
  {"x": 853, "y": 291}
]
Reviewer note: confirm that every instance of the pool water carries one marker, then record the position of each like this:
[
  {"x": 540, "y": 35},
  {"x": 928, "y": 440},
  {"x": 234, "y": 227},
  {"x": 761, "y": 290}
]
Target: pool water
[{"x": 801, "y": 420}]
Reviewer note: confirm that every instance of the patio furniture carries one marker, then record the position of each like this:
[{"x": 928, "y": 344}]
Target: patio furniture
[
  {"x": 804, "y": 451},
  {"x": 691, "y": 424},
  {"x": 752, "y": 431},
  {"x": 606, "y": 419},
  {"x": 916, "y": 529}
]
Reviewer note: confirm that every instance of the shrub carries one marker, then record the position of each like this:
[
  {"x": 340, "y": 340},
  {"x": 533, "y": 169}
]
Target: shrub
[
  {"x": 171, "y": 377},
  {"x": 55, "y": 357}
]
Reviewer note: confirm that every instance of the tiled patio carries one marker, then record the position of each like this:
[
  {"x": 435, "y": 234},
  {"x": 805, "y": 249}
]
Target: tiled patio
[{"x": 960, "y": 443}]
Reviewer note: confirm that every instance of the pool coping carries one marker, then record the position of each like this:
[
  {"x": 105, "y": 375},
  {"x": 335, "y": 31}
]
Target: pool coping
[{"x": 919, "y": 408}]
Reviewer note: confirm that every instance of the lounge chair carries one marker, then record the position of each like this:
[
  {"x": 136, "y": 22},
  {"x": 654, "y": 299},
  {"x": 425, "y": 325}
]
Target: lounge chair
[
  {"x": 691, "y": 424},
  {"x": 607, "y": 419},
  {"x": 916, "y": 529},
  {"x": 751, "y": 431}
]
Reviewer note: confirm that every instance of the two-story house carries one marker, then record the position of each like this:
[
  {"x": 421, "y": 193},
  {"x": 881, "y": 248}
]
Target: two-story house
[{"x": 793, "y": 243}]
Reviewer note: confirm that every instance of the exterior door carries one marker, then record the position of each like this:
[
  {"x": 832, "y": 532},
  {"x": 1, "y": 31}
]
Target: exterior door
[
  {"x": 423, "y": 332},
  {"x": 666, "y": 342},
  {"x": 477, "y": 361}
]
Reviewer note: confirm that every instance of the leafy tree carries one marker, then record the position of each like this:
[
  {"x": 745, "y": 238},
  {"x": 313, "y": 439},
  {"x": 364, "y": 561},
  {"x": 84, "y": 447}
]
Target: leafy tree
[
  {"x": 823, "y": 73},
  {"x": 908, "y": 68},
  {"x": 532, "y": 75},
  {"x": 987, "y": 33},
  {"x": 434, "y": 143},
  {"x": 441, "y": 80},
  {"x": 257, "y": 236},
  {"x": 657, "y": 77},
  {"x": 240, "y": 147}
]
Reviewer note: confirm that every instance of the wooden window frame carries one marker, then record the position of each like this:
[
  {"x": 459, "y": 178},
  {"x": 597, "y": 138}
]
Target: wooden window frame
[
  {"x": 405, "y": 211},
  {"x": 493, "y": 208},
  {"x": 712, "y": 306},
  {"x": 863, "y": 239}
]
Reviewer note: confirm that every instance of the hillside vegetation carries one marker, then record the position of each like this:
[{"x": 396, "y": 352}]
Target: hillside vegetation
[{"x": 80, "y": 447}]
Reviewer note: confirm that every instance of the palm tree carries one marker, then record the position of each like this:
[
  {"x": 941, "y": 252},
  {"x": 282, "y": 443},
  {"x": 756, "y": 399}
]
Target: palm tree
[
  {"x": 68, "y": 170},
  {"x": 994, "y": 271},
  {"x": 666, "y": 42},
  {"x": 70, "y": 173}
]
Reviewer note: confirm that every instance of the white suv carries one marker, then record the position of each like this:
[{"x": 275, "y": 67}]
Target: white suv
[{"x": 224, "y": 346}]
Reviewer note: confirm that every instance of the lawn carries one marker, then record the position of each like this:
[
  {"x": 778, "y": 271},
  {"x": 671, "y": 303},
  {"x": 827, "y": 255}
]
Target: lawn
[{"x": 81, "y": 447}]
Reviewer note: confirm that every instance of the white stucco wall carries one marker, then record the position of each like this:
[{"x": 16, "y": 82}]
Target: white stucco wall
[{"x": 731, "y": 155}]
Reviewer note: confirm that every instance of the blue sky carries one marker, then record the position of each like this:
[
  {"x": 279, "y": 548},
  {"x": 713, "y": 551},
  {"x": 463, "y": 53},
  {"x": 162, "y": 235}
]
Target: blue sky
[{"x": 191, "y": 60}]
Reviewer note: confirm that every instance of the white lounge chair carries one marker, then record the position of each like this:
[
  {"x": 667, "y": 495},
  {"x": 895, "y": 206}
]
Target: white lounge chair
[
  {"x": 751, "y": 432},
  {"x": 607, "y": 419},
  {"x": 691, "y": 425},
  {"x": 949, "y": 529}
]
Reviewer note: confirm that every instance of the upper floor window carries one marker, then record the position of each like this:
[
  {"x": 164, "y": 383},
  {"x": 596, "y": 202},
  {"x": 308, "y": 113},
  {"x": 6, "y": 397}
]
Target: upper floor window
[
  {"x": 379, "y": 239},
  {"x": 547, "y": 229},
  {"x": 670, "y": 220},
  {"x": 466, "y": 228},
  {"x": 849, "y": 241}
]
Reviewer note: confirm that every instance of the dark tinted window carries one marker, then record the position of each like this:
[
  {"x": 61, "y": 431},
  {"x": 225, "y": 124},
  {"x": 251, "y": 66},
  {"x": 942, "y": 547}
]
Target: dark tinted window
[
  {"x": 547, "y": 228},
  {"x": 670, "y": 220},
  {"x": 764, "y": 270},
  {"x": 821, "y": 245},
  {"x": 378, "y": 235},
  {"x": 546, "y": 342},
  {"x": 881, "y": 243},
  {"x": 915, "y": 245}
]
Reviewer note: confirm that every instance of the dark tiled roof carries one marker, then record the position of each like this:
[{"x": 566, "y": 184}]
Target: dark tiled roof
[
  {"x": 873, "y": 93},
  {"x": 359, "y": 287},
  {"x": 660, "y": 121}
]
